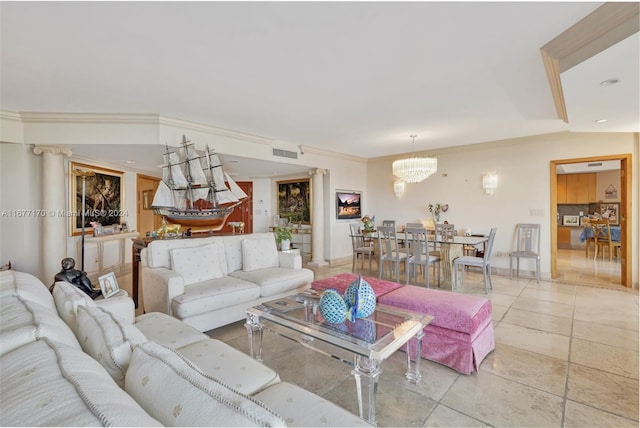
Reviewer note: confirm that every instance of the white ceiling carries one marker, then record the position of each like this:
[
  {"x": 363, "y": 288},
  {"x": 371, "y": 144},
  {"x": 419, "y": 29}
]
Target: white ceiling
[{"x": 350, "y": 77}]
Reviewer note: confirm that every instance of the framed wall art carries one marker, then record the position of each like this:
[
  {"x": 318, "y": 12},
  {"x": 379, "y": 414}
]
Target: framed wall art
[
  {"x": 611, "y": 211},
  {"x": 104, "y": 197},
  {"x": 294, "y": 200},
  {"x": 348, "y": 205}
]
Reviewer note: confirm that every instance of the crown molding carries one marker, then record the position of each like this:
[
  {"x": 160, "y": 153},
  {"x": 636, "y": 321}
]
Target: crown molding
[
  {"x": 136, "y": 119},
  {"x": 10, "y": 115},
  {"x": 332, "y": 154}
]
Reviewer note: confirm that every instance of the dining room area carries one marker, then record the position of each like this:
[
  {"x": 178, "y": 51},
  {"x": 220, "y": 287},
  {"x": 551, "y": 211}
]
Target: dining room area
[{"x": 423, "y": 253}]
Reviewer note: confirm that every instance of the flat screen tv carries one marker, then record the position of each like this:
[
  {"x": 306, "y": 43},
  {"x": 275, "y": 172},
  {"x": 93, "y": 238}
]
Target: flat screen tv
[{"x": 348, "y": 205}]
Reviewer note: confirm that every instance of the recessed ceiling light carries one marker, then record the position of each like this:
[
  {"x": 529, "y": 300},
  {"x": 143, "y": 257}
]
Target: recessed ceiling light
[
  {"x": 130, "y": 161},
  {"x": 609, "y": 82},
  {"x": 600, "y": 120}
]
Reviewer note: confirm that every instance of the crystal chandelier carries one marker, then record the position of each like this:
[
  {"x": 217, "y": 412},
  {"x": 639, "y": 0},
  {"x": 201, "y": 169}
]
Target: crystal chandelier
[{"x": 414, "y": 169}]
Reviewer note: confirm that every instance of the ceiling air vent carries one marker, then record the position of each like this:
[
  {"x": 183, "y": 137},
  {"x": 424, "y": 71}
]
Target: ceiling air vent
[
  {"x": 594, "y": 164},
  {"x": 285, "y": 153}
]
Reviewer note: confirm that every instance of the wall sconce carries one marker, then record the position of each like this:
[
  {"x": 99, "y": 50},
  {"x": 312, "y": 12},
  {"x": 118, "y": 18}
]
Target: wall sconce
[
  {"x": 490, "y": 183},
  {"x": 398, "y": 188}
]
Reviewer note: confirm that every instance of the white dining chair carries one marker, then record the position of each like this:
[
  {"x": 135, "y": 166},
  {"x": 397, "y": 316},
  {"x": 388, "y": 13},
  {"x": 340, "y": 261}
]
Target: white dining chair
[
  {"x": 527, "y": 246},
  {"x": 481, "y": 262},
  {"x": 359, "y": 247},
  {"x": 388, "y": 251},
  {"x": 418, "y": 241}
]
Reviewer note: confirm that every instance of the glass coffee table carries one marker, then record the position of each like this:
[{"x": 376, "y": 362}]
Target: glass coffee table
[{"x": 365, "y": 343}]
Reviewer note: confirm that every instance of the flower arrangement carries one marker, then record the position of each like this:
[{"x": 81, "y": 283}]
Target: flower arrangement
[
  {"x": 369, "y": 226},
  {"x": 435, "y": 210}
]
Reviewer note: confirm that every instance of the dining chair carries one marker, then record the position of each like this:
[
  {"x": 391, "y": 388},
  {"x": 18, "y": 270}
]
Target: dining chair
[
  {"x": 359, "y": 247},
  {"x": 481, "y": 262},
  {"x": 418, "y": 241},
  {"x": 388, "y": 251},
  {"x": 442, "y": 232},
  {"x": 602, "y": 234},
  {"x": 527, "y": 246}
]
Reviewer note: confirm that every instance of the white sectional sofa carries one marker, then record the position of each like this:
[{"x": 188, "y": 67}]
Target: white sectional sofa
[
  {"x": 67, "y": 360},
  {"x": 209, "y": 282}
]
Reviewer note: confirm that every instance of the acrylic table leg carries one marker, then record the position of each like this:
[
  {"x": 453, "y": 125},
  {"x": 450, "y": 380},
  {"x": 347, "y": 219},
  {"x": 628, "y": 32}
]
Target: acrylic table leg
[
  {"x": 413, "y": 373},
  {"x": 366, "y": 374},
  {"x": 254, "y": 331}
]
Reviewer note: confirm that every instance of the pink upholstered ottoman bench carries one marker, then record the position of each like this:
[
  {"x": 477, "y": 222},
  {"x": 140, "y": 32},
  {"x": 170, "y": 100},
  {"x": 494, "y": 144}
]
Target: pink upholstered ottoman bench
[{"x": 461, "y": 333}]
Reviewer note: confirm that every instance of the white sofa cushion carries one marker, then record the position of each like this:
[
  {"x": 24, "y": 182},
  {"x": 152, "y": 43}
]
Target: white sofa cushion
[
  {"x": 293, "y": 403},
  {"x": 197, "y": 264},
  {"x": 193, "y": 398},
  {"x": 27, "y": 286},
  {"x": 23, "y": 321},
  {"x": 107, "y": 340},
  {"x": 167, "y": 330},
  {"x": 212, "y": 295},
  {"x": 230, "y": 366},
  {"x": 274, "y": 281},
  {"x": 259, "y": 253},
  {"x": 49, "y": 384},
  {"x": 67, "y": 298}
]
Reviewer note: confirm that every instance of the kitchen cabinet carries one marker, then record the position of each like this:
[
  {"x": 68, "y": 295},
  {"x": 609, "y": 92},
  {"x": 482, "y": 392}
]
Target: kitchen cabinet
[
  {"x": 577, "y": 188},
  {"x": 569, "y": 237},
  {"x": 562, "y": 189}
]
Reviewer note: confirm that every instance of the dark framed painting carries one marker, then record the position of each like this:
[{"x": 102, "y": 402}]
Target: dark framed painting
[
  {"x": 103, "y": 197},
  {"x": 348, "y": 205},
  {"x": 294, "y": 200}
]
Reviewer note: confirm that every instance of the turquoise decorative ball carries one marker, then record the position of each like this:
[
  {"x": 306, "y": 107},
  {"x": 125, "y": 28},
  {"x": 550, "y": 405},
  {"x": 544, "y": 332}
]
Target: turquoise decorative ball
[
  {"x": 333, "y": 307},
  {"x": 360, "y": 295}
]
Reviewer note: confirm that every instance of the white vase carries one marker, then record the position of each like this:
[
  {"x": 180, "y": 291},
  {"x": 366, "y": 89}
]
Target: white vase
[{"x": 285, "y": 245}]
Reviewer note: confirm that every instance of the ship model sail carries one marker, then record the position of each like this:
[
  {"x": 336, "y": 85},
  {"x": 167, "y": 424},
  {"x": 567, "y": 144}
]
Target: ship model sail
[{"x": 193, "y": 192}]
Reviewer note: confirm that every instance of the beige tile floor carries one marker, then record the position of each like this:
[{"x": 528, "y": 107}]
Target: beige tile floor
[{"x": 566, "y": 356}]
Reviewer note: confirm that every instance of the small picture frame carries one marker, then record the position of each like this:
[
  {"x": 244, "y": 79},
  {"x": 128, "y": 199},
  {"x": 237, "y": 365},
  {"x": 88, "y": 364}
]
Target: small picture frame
[
  {"x": 124, "y": 226},
  {"x": 571, "y": 220},
  {"x": 108, "y": 285}
]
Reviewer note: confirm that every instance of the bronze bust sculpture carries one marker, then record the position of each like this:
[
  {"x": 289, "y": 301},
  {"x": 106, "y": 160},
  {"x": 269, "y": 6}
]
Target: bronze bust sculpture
[{"x": 76, "y": 277}]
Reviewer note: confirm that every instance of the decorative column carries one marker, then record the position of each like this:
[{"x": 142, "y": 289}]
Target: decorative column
[
  {"x": 317, "y": 217},
  {"x": 54, "y": 224}
]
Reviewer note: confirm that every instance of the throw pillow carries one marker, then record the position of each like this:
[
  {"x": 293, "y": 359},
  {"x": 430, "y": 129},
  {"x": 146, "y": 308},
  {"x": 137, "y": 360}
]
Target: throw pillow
[
  {"x": 67, "y": 298},
  {"x": 193, "y": 398},
  {"x": 197, "y": 264},
  {"x": 259, "y": 253},
  {"x": 107, "y": 340}
]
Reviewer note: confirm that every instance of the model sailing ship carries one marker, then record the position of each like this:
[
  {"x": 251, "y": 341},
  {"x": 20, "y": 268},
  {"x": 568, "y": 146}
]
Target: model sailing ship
[{"x": 193, "y": 192}]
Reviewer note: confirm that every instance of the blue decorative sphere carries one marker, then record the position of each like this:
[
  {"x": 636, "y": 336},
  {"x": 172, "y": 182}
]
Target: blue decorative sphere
[
  {"x": 333, "y": 307},
  {"x": 361, "y": 298}
]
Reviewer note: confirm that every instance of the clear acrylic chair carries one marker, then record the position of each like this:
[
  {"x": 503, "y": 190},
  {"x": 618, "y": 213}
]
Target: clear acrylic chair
[
  {"x": 360, "y": 247},
  {"x": 527, "y": 246},
  {"x": 418, "y": 241},
  {"x": 388, "y": 251},
  {"x": 481, "y": 262}
]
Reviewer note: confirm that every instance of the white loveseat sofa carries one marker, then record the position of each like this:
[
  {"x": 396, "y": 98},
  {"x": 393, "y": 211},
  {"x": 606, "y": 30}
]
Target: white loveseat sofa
[
  {"x": 209, "y": 282},
  {"x": 69, "y": 361}
]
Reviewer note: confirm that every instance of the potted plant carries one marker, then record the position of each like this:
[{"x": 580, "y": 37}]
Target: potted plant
[{"x": 283, "y": 237}]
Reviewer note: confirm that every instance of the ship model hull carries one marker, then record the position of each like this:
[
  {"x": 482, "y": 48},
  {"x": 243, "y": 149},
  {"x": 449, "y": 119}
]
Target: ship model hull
[
  {"x": 212, "y": 219},
  {"x": 195, "y": 195}
]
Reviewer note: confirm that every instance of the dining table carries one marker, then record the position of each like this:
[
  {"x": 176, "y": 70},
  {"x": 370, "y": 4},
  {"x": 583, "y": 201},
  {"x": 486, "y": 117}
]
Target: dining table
[
  {"x": 587, "y": 232},
  {"x": 450, "y": 249}
]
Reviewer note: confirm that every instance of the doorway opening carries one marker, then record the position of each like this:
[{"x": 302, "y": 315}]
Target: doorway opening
[{"x": 588, "y": 186}]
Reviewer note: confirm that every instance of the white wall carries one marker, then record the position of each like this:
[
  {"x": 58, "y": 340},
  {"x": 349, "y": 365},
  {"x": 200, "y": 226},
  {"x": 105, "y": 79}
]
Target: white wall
[
  {"x": 523, "y": 172},
  {"x": 20, "y": 198}
]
